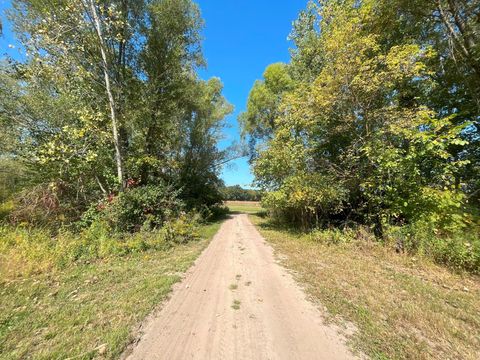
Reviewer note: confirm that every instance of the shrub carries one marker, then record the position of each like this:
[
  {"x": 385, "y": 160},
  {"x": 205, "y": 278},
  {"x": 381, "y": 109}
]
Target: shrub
[
  {"x": 336, "y": 236},
  {"x": 461, "y": 252},
  {"x": 442, "y": 211},
  {"x": 141, "y": 208},
  {"x": 212, "y": 213},
  {"x": 459, "y": 249},
  {"x": 181, "y": 230},
  {"x": 306, "y": 199}
]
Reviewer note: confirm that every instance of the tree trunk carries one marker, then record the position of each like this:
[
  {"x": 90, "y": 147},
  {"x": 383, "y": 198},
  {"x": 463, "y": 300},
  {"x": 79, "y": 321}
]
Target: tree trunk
[{"x": 111, "y": 99}]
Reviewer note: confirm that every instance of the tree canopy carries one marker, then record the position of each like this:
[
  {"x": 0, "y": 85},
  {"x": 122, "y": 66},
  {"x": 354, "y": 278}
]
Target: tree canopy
[
  {"x": 108, "y": 98},
  {"x": 376, "y": 117}
]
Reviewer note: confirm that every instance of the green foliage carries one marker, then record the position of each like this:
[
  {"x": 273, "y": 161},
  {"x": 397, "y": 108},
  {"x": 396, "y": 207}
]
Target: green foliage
[
  {"x": 145, "y": 207},
  {"x": 92, "y": 303},
  {"x": 458, "y": 249},
  {"x": 212, "y": 213},
  {"x": 26, "y": 250},
  {"x": 306, "y": 199},
  {"x": 375, "y": 124},
  {"x": 181, "y": 230},
  {"x": 263, "y": 102},
  {"x": 12, "y": 178},
  {"x": 200, "y": 160},
  {"x": 336, "y": 236},
  {"x": 55, "y": 108}
]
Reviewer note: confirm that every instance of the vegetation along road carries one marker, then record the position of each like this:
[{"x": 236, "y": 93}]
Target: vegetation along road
[
  {"x": 238, "y": 303},
  {"x": 132, "y": 176}
]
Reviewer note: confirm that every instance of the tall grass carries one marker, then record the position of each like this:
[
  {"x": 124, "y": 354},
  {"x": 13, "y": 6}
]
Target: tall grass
[
  {"x": 29, "y": 250},
  {"x": 458, "y": 251}
]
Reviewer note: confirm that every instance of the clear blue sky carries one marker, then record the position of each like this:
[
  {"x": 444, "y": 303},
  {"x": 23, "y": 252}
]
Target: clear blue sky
[{"x": 240, "y": 39}]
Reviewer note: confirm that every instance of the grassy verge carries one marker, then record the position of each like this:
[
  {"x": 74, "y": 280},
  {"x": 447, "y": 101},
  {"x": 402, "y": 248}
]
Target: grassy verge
[
  {"x": 402, "y": 307},
  {"x": 89, "y": 310}
]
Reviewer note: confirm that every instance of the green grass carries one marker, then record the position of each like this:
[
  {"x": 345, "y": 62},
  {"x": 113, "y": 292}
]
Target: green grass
[
  {"x": 244, "y": 207},
  {"x": 402, "y": 307},
  {"x": 236, "y": 304},
  {"x": 233, "y": 287},
  {"x": 89, "y": 308}
]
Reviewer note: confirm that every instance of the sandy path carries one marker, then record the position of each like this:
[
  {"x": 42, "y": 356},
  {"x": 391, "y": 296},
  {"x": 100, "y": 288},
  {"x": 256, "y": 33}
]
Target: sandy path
[{"x": 274, "y": 320}]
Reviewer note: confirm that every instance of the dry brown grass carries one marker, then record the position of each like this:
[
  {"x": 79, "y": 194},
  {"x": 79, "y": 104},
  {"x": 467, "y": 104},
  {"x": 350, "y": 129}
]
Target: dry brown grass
[{"x": 402, "y": 307}]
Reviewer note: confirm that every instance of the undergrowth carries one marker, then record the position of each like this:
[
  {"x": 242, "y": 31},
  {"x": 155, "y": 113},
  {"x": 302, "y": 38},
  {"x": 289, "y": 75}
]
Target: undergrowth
[{"x": 25, "y": 250}]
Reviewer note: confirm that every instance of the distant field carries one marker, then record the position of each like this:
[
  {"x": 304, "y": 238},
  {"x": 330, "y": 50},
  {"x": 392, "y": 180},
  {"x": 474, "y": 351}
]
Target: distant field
[{"x": 248, "y": 207}]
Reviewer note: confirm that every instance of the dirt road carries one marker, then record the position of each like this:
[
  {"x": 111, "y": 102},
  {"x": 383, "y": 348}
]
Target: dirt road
[{"x": 238, "y": 303}]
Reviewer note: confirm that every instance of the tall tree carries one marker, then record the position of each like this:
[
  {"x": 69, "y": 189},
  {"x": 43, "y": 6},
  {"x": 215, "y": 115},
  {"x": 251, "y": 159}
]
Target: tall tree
[
  {"x": 97, "y": 23},
  {"x": 107, "y": 92},
  {"x": 372, "y": 128}
]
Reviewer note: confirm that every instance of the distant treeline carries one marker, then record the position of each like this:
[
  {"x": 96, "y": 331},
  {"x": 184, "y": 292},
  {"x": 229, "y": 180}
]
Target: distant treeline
[{"x": 238, "y": 193}]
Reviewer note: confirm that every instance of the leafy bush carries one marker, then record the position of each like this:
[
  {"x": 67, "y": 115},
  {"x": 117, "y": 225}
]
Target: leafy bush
[
  {"x": 336, "y": 236},
  {"x": 141, "y": 208},
  {"x": 306, "y": 199},
  {"x": 181, "y": 230},
  {"x": 212, "y": 213},
  {"x": 459, "y": 249},
  {"x": 444, "y": 210},
  {"x": 461, "y": 252},
  {"x": 137, "y": 220}
]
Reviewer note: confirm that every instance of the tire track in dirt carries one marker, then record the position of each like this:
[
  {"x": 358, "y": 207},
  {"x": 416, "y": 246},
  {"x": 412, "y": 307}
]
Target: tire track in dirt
[{"x": 274, "y": 320}]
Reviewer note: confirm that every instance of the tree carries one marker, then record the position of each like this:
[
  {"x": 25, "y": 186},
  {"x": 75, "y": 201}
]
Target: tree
[
  {"x": 237, "y": 193},
  {"x": 95, "y": 18},
  {"x": 451, "y": 28},
  {"x": 263, "y": 103},
  {"x": 199, "y": 158},
  {"x": 109, "y": 97},
  {"x": 368, "y": 134}
]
